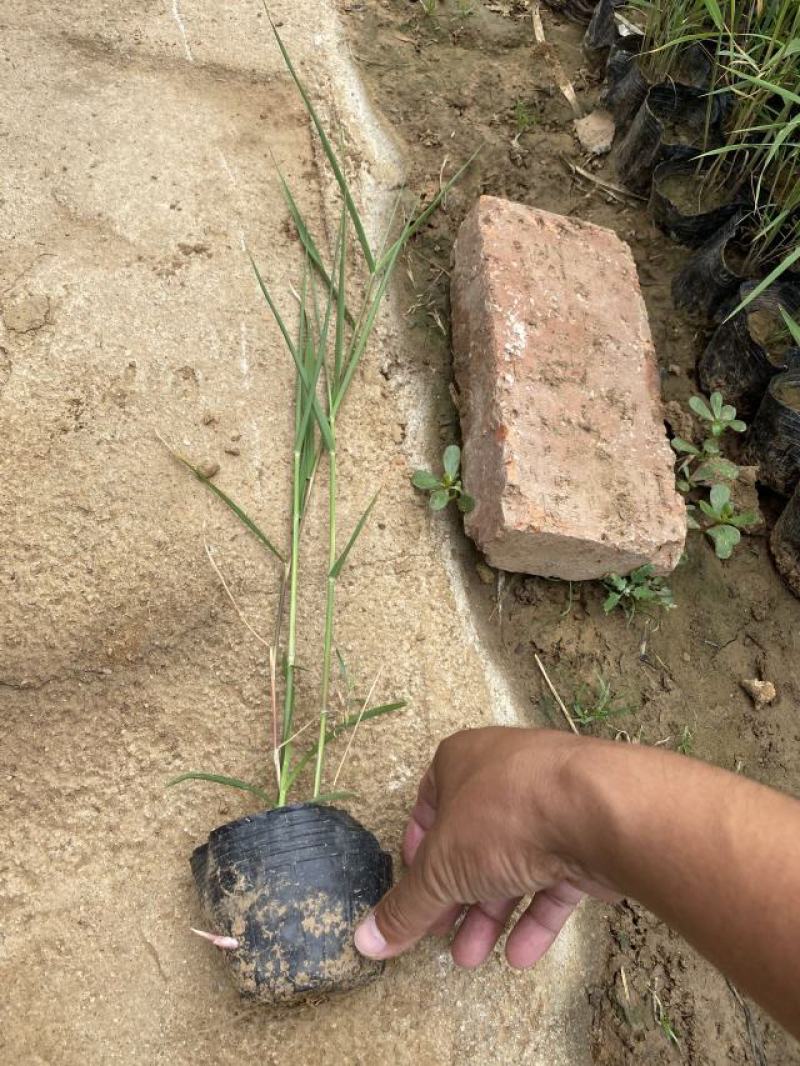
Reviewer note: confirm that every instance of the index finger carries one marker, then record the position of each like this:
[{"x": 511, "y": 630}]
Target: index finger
[{"x": 422, "y": 817}]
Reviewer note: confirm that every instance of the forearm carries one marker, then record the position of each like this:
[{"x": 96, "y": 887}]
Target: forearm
[{"x": 714, "y": 855}]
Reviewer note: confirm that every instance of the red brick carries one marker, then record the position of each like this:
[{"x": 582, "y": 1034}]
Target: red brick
[{"x": 564, "y": 449}]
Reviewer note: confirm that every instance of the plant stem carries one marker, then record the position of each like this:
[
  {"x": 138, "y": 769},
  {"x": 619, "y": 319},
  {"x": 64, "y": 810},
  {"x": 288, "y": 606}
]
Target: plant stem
[
  {"x": 328, "y": 635},
  {"x": 291, "y": 643}
]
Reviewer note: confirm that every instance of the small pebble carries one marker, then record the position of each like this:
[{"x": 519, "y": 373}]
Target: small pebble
[
  {"x": 233, "y": 450},
  {"x": 210, "y": 418},
  {"x": 762, "y": 693},
  {"x": 208, "y": 468}
]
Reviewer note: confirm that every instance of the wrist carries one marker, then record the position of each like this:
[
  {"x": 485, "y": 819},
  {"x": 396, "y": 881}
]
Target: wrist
[{"x": 583, "y": 817}]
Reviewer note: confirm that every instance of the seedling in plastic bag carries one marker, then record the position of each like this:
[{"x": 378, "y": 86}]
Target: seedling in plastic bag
[
  {"x": 638, "y": 587},
  {"x": 723, "y": 524},
  {"x": 441, "y": 490}
]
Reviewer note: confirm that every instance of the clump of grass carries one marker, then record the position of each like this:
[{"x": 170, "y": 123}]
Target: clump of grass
[
  {"x": 754, "y": 51},
  {"x": 326, "y": 347},
  {"x": 524, "y": 119},
  {"x": 686, "y": 741},
  {"x": 598, "y": 706}
]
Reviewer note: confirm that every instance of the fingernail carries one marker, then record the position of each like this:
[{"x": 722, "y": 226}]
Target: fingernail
[{"x": 369, "y": 940}]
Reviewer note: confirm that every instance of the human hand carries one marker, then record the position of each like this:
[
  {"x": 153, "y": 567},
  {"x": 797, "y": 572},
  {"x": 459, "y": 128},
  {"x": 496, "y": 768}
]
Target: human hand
[{"x": 487, "y": 830}]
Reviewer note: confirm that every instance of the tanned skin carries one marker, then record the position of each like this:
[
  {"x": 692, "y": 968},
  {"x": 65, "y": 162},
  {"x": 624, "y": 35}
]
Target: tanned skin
[{"x": 502, "y": 814}]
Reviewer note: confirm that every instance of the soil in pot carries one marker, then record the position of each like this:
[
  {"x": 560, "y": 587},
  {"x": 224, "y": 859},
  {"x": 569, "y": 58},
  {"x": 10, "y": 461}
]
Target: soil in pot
[
  {"x": 774, "y": 440},
  {"x": 685, "y": 204},
  {"x": 748, "y": 350},
  {"x": 785, "y": 543},
  {"x": 714, "y": 272},
  {"x": 290, "y": 885}
]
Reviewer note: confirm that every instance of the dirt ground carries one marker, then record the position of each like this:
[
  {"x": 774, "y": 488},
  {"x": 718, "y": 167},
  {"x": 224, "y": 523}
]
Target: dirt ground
[
  {"x": 137, "y": 156},
  {"x": 470, "y": 77},
  {"x": 139, "y": 150}
]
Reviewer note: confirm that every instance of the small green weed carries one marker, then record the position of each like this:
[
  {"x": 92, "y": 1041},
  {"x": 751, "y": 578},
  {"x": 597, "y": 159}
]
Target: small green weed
[
  {"x": 441, "y": 490},
  {"x": 639, "y": 587},
  {"x": 703, "y": 463},
  {"x": 686, "y": 743},
  {"x": 464, "y": 8},
  {"x": 722, "y": 524},
  {"x": 596, "y": 707},
  {"x": 524, "y": 119},
  {"x": 428, "y": 7}
]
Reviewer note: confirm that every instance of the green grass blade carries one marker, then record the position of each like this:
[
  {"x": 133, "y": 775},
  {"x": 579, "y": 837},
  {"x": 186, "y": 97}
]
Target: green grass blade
[
  {"x": 792, "y": 326},
  {"x": 411, "y": 227},
  {"x": 341, "y": 310},
  {"x": 229, "y": 503},
  {"x": 786, "y": 263},
  {"x": 221, "y": 779},
  {"x": 328, "y": 149},
  {"x": 337, "y": 567},
  {"x": 273, "y": 308},
  {"x": 308, "y": 242},
  {"x": 348, "y": 723},
  {"x": 319, "y": 414},
  {"x": 359, "y": 342}
]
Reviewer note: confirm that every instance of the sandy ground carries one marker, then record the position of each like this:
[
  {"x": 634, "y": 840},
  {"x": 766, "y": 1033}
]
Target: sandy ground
[{"x": 136, "y": 148}]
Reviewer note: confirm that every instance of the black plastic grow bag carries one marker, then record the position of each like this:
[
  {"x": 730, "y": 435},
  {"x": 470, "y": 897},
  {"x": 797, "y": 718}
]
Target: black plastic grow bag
[
  {"x": 290, "y": 885},
  {"x": 709, "y": 275},
  {"x": 785, "y": 543},
  {"x": 774, "y": 439},
  {"x": 672, "y": 119},
  {"x": 671, "y": 200},
  {"x": 736, "y": 361}
]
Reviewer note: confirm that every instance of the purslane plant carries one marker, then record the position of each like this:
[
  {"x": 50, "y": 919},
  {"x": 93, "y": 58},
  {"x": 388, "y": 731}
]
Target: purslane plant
[
  {"x": 702, "y": 464},
  {"x": 442, "y": 490},
  {"x": 720, "y": 522}
]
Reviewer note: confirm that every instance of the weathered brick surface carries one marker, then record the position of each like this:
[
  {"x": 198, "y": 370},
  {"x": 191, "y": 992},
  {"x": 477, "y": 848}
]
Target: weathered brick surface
[{"x": 564, "y": 445}]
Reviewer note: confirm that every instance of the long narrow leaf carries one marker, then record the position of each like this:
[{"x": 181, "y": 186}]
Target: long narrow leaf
[
  {"x": 411, "y": 227},
  {"x": 243, "y": 517},
  {"x": 359, "y": 342},
  {"x": 336, "y": 569},
  {"x": 780, "y": 269},
  {"x": 348, "y": 723},
  {"x": 307, "y": 240},
  {"x": 319, "y": 414},
  {"x": 221, "y": 779},
  {"x": 328, "y": 149}
]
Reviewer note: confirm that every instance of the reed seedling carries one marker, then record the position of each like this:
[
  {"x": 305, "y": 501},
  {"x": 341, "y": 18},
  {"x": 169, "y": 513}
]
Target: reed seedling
[
  {"x": 326, "y": 346},
  {"x": 753, "y": 49}
]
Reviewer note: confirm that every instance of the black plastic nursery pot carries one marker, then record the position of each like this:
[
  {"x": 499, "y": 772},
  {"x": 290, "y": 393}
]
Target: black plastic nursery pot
[
  {"x": 711, "y": 273},
  {"x": 625, "y": 86},
  {"x": 741, "y": 358},
  {"x": 601, "y": 33},
  {"x": 774, "y": 440},
  {"x": 785, "y": 543},
  {"x": 290, "y": 885},
  {"x": 577, "y": 10},
  {"x": 672, "y": 118},
  {"x": 684, "y": 205}
]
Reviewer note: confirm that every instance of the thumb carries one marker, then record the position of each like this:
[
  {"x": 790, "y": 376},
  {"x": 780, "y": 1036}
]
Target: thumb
[{"x": 407, "y": 911}]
